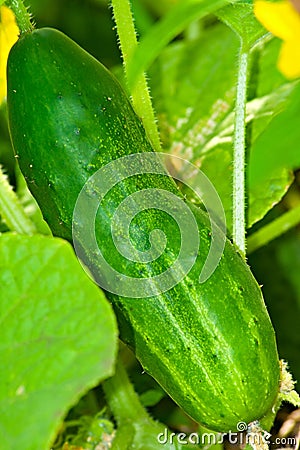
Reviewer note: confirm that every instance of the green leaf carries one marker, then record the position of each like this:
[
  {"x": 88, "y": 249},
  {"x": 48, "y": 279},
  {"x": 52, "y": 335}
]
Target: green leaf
[
  {"x": 92, "y": 431},
  {"x": 58, "y": 338},
  {"x": 265, "y": 163},
  {"x": 268, "y": 76},
  {"x": 293, "y": 398},
  {"x": 195, "y": 110},
  {"x": 240, "y": 18},
  {"x": 191, "y": 104},
  {"x": 266, "y": 193},
  {"x": 166, "y": 29},
  {"x": 278, "y": 145},
  {"x": 11, "y": 210}
]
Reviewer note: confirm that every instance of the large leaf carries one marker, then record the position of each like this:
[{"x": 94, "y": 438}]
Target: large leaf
[
  {"x": 278, "y": 145},
  {"x": 166, "y": 29},
  {"x": 58, "y": 338},
  {"x": 240, "y": 18},
  {"x": 196, "y": 114},
  {"x": 193, "y": 86},
  {"x": 274, "y": 148}
]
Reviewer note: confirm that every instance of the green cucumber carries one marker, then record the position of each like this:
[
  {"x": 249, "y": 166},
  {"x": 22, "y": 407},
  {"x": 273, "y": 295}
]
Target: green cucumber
[{"x": 211, "y": 346}]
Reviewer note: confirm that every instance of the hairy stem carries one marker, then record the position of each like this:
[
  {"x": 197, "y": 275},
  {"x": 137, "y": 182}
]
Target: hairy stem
[
  {"x": 22, "y": 15},
  {"x": 239, "y": 154},
  {"x": 140, "y": 93},
  {"x": 121, "y": 397}
]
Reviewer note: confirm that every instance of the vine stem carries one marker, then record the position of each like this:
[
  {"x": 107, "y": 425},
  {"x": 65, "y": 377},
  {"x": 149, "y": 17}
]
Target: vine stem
[
  {"x": 121, "y": 397},
  {"x": 272, "y": 230},
  {"x": 239, "y": 232},
  {"x": 140, "y": 93},
  {"x": 22, "y": 15},
  {"x": 11, "y": 210}
]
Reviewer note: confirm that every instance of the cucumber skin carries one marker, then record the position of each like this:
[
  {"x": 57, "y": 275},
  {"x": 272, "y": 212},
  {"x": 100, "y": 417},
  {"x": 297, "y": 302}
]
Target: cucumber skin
[{"x": 211, "y": 346}]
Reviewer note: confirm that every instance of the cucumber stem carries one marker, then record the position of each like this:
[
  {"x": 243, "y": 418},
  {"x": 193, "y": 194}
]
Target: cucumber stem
[
  {"x": 11, "y": 211},
  {"x": 272, "y": 230},
  {"x": 121, "y": 397},
  {"x": 239, "y": 154},
  {"x": 22, "y": 15},
  {"x": 140, "y": 93}
]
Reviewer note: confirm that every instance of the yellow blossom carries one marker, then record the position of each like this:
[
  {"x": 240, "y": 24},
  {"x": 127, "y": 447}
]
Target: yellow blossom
[
  {"x": 283, "y": 20},
  {"x": 8, "y": 35}
]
